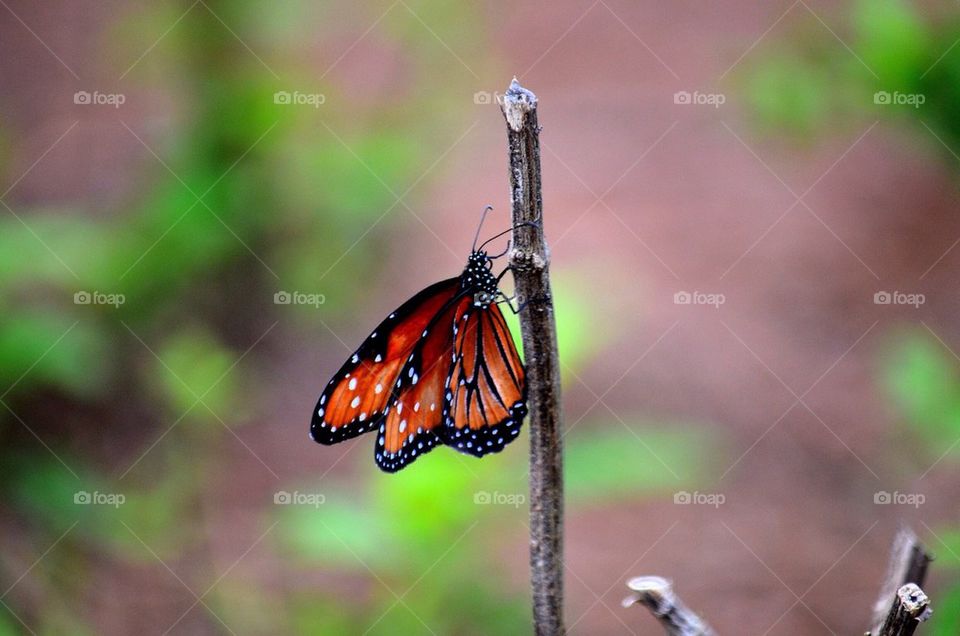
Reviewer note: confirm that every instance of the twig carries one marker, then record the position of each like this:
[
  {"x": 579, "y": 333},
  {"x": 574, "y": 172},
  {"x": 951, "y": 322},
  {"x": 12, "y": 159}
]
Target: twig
[
  {"x": 529, "y": 260},
  {"x": 910, "y": 608},
  {"x": 657, "y": 595},
  {"x": 908, "y": 565}
]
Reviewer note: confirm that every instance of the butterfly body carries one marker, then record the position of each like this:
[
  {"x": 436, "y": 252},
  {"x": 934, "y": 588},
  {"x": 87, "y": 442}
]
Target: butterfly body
[{"x": 440, "y": 370}]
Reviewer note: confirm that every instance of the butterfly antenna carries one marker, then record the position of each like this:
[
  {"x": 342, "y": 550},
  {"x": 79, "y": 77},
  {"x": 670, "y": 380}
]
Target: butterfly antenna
[
  {"x": 498, "y": 235},
  {"x": 503, "y": 252},
  {"x": 476, "y": 236}
]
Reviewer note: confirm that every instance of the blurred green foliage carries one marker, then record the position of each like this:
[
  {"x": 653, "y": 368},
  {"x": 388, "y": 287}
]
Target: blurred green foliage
[
  {"x": 435, "y": 531},
  {"x": 925, "y": 382},
  {"x": 248, "y": 197},
  {"x": 807, "y": 84},
  {"x": 923, "y": 379},
  {"x": 810, "y": 79}
]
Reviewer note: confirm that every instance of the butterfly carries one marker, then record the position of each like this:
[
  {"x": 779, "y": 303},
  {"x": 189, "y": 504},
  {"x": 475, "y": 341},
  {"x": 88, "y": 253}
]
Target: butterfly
[{"x": 442, "y": 369}]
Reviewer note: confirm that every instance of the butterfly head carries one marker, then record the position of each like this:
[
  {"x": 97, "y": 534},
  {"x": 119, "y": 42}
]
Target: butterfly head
[{"x": 478, "y": 280}]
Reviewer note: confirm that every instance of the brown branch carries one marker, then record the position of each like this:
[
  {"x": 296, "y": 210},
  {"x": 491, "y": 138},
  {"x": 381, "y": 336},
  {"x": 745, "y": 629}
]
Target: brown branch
[
  {"x": 657, "y": 595},
  {"x": 529, "y": 260},
  {"x": 910, "y": 608},
  {"x": 907, "y": 567}
]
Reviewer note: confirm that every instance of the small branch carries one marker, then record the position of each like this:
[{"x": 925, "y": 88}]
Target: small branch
[
  {"x": 910, "y": 608},
  {"x": 529, "y": 260},
  {"x": 657, "y": 595},
  {"x": 908, "y": 565}
]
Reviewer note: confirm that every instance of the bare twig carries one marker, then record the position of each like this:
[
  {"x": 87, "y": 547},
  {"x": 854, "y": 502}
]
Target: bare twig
[
  {"x": 529, "y": 260},
  {"x": 910, "y": 608},
  {"x": 908, "y": 564},
  {"x": 657, "y": 595}
]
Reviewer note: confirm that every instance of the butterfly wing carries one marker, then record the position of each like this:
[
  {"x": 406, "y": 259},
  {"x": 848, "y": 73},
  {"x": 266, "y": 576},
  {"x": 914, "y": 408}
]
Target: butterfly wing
[
  {"x": 355, "y": 400},
  {"x": 485, "y": 389},
  {"x": 415, "y": 413}
]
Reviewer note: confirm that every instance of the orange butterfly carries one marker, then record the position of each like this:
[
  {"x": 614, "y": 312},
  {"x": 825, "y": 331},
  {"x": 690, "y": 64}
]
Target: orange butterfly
[{"x": 442, "y": 368}]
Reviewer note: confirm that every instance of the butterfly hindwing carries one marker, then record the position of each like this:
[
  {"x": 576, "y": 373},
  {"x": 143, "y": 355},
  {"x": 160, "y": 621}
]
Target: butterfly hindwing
[
  {"x": 415, "y": 413},
  {"x": 356, "y": 399},
  {"x": 485, "y": 388}
]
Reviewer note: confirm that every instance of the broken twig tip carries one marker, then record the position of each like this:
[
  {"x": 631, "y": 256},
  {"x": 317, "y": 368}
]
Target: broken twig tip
[
  {"x": 657, "y": 595},
  {"x": 517, "y": 102}
]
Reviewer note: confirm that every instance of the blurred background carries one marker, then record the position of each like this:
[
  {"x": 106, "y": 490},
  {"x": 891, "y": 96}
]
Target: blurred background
[{"x": 206, "y": 205}]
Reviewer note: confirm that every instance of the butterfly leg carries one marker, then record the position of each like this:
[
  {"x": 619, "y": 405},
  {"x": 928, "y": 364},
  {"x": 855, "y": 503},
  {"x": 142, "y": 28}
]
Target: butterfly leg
[
  {"x": 509, "y": 302},
  {"x": 506, "y": 269}
]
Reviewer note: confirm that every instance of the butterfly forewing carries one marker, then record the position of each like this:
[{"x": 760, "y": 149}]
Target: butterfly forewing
[
  {"x": 485, "y": 386},
  {"x": 356, "y": 399}
]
